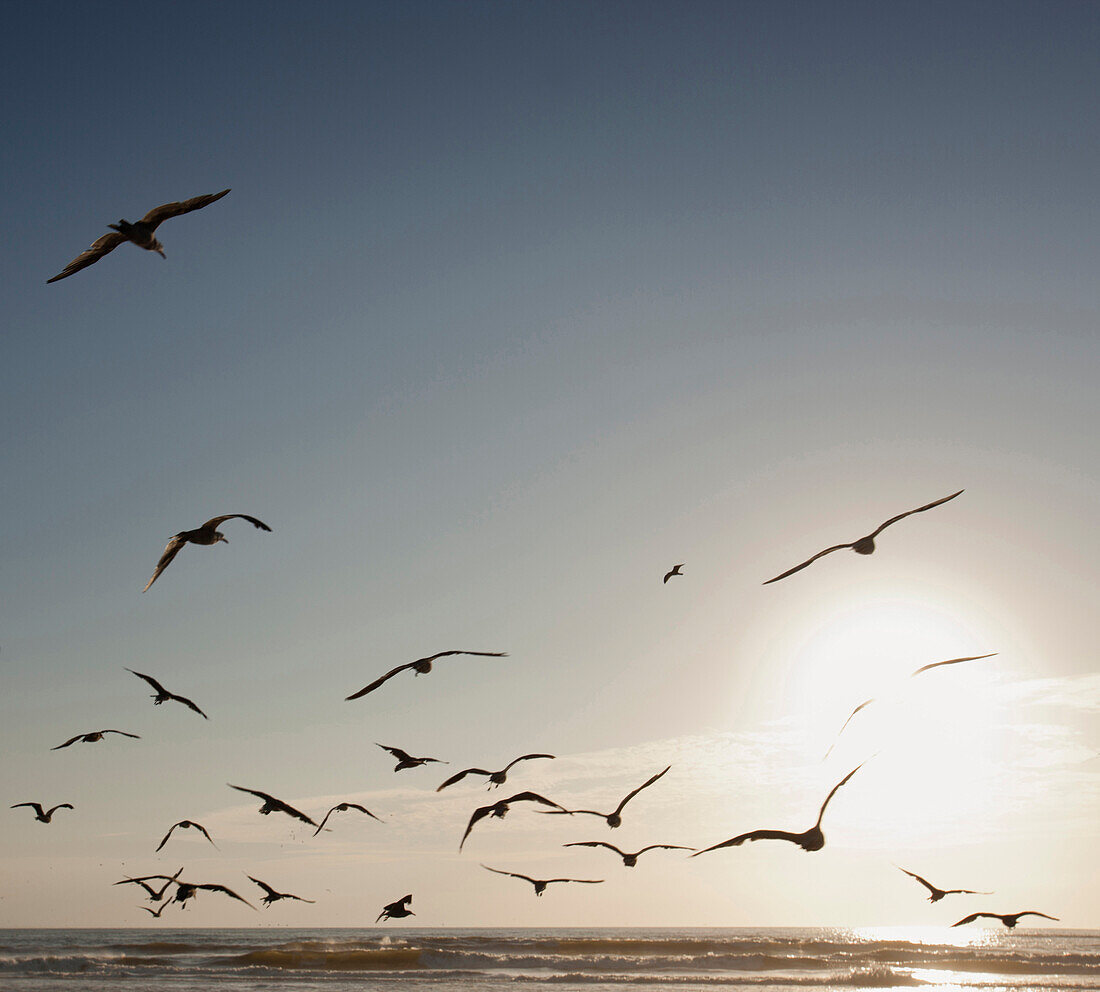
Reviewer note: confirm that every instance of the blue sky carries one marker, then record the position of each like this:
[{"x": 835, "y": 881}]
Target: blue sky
[{"x": 512, "y": 307}]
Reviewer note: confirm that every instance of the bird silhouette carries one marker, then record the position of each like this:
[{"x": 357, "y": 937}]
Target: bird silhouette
[
  {"x": 184, "y": 825},
  {"x": 500, "y": 809},
  {"x": 156, "y": 912},
  {"x": 155, "y": 895},
  {"x": 396, "y": 910},
  {"x": 273, "y": 805},
  {"x": 406, "y": 760},
  {"x": 188, "y": 890},
  {"x": 629, "y": 860},
  {"x": 675, "y": 570},
  {"x": 140, "y": 233},
  {"x": 163, "y": 695},
  {"x": 421, "y": 667},
  {"x": 43, "y": 816},
  {"x": 343, "y": 808},
  {"x": 614, "y": 818},
  {"x": 951, "y": 661},
  {"x": 541, "y": 883},
  {"x": 92, "y": 738},
  {"x": 863, "y": 705},
  {"x": 495, "y": 778},
  {"x": 207, "y": 534},
  {"x": 272, "y": 896},
  {"x": 809, "y": 840},
  {"x": 865, "y": 545},
  {"x": 935, "y": 894},
  {"x": 1009, "y": 919}
]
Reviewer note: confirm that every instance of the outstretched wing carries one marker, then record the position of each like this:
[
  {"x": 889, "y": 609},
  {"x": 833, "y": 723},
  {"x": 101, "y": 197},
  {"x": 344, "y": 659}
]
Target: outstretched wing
[
  {"x": 462, "y": 774},
  {"x": 158, "y": 215},
  {"x": 167, "y": 835},
  {"x": 525, "y": 757},
  {"x": 35, "y": 806},
  {"x": 666, "y": 847},
  {"x": 71, "y": 740},
  {"x": 951, "y": 661},
  {"x": 397, "y": 752},
  {"x": 809, "y": 561},
  {"x": 189, "y": 704},
  {"x": 202, "y": 830},
  {"x": 171, "y": 549},
  {"x": 596, "y": 843},
  {"x": 378, "y": 681},
  {"x": 753, "y": 835},
  {"x": 149, "y": 678},
  {"x": 586, "y": 881},
  {"x": 122, "y": 732},
  {"x": 267, "y": 888},
  {"x": 645, "y": 785},
  {"x": 213, "y": 887},
  {"x": 296, "y": 813},
  {"x": 1034, "y": 912},
  {"x": 510, "y": 874},
  {"x": 447, "y": 654},
  {"x": 215, "y": 522},
  {"x": 90, "y": 255},
  {"x": 908, "y": 513},
  {"x": 923, "y": 881},
  {"x": 974, "y": 916},
  {"x": 254, "y": 792},
  {"x": 478, "y": 814},
  {"x": 821, "y": 813}
]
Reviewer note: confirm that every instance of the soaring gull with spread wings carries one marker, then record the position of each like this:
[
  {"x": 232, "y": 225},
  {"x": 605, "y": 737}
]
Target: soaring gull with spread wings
[
  {"x": 343, "y": 808},
  {"x": 935, "y": 894},
  {"x": 541, "y": 883},
  {"x": 273, "y": 805},
  {"x": 495, "y": 778},
  {"x": 163, "y": 695},
  {"x": 500, "y": 809},
  {"x": 629, "y": 860},
  {"x": 272, "y": 896},
  {"x": 1008, "y": 919},
  {"x": 614, "y": 818},
  {"x": 421, "y": 667},
  {"x": 185, "y": 825},
  {"x": 44, "y": 816},
  {"x": 207, "y": 534},
  {"x": 92, "y": 738}
]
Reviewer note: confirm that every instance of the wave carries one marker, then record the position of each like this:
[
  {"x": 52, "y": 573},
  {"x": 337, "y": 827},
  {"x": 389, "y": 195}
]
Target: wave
[{"x": 298, "y": 959}]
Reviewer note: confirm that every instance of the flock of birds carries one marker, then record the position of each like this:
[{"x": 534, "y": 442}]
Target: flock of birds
[{"x": 142, "y": 234}]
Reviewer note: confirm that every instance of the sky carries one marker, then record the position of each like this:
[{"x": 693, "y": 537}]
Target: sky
[{"x": 511, "y": 308}]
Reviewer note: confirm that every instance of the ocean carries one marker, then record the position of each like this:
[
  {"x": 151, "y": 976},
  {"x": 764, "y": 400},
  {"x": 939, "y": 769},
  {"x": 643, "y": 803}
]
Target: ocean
[{"x": 480, "y": 960}]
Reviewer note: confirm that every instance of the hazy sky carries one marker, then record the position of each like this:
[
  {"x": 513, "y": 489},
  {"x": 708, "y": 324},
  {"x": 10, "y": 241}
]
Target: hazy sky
[{"x": 512, "y": 307}]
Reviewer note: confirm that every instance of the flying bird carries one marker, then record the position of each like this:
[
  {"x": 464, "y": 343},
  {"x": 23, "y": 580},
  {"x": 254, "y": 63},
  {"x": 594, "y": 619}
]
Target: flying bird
[
  {"x": 951, "y": 661},
  {"x": 421, "y": 667},
  {"x": 188, "y": 890},
  {"x": 43, "y": 816},
  {"x": 541, "y": 883},
  {"x": 95, "y": 735},
  {"x": 863, "y": 705},
  {"x": 614, "y": 818},
  {"x": 865, "y": 545},
  {"x": 184, "y": 825},
  {"x": 495, "y": 778},
  {"x": 500, "y": 809},
  {"x": 273, "y": 896},
  {"x": 396, "y": 910},
  {"x": 675, "y": 570},
  {"x": 406, "y": 760},
  {"x": 155, "y": 895},
  {"x": 140, "y": 233},
  {"x": 629, "y": 860},
  {"x": 156, "y": 912},
  {"x": 163, "y": 695},
  {"x": 1009, "y": 919},
  {"x": 810, "y": 840},
  {"x": 273, "y": 805},
  {"x": 343, "y": 808},
  {"x": 937, "y": 894},
  {"x": 207, "y": 534}
]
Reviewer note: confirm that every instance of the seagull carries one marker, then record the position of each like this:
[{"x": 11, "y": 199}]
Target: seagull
[
  {"x": 495, "y": 778},
  {"x": 1009, "y": 919},
  {"x": 155, "y": 895},
  {"x": 421, "y": 667},
  {"x": 629, "y": 860},
  {"x": 938, "y": 894},
  {"x": 406, "y": 760},
  {"x": 273, "y": 805},
  {"x": 163, "y": 695},
  {"x": 951, "y": 661},
  {"x": 208, "y": 533},
  {"x": 613, "y": 818},
  {"x": 184, "y": 825},
  {"x": 273, "y": 896},
  {"x": 865, "y": 545},
  {"x": 188, "y": 890},
  {"x": 541, "y": 883},
  {"x": 95, "y": 735},
  {"x": 810, "y": 840},
  {"x": 43, "y": 816},
  {"x": 396, "y": 910},
  {"x": 343, "y": 808},
  {"x": 500, "y": 808},
  {"x": 156, "y": 912},
  {"x": 675, "y": 570},
  {"x": 141, "y": 233}
]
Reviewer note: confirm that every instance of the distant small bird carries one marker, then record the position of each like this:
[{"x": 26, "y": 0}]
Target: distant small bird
[
  {"x": 810, "y": 840},
  {"x": 675, "y": 570},
  {"x": 188, "y": 890},
  {"x": 951, "y": 661},
  {"x": 163, "y": 695},
  {"x": 500, "y": 809},
  {"x": 273, "y": 805},
  {"x": 937, "y": 894},
  {"x": 273, "y": 896},
  {"x": 396, "y": 910},
  {"x": 207, "y": 534},
  {"x": 421, "y": 667},
  {"x": 865, "y": 545},
  {"x": 614, "y": 818},
  {"x": 156, "y": 912},
  {"x": 406, "y": 760},
  {"x": 1009, "y": 920},
  {"x": 184, "y": 825},
  {"x": 140, "y": 233},
  {"x": 541, "y": 883},
  {"x": 495, "y": 778},
  {"x": 155, "y": 895},
  {"x": 95, "y": 735},
  {"x": 343, "y": 808},
  {"x": 43, "y": 816},
  {"x": 629, "y": 860}
]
